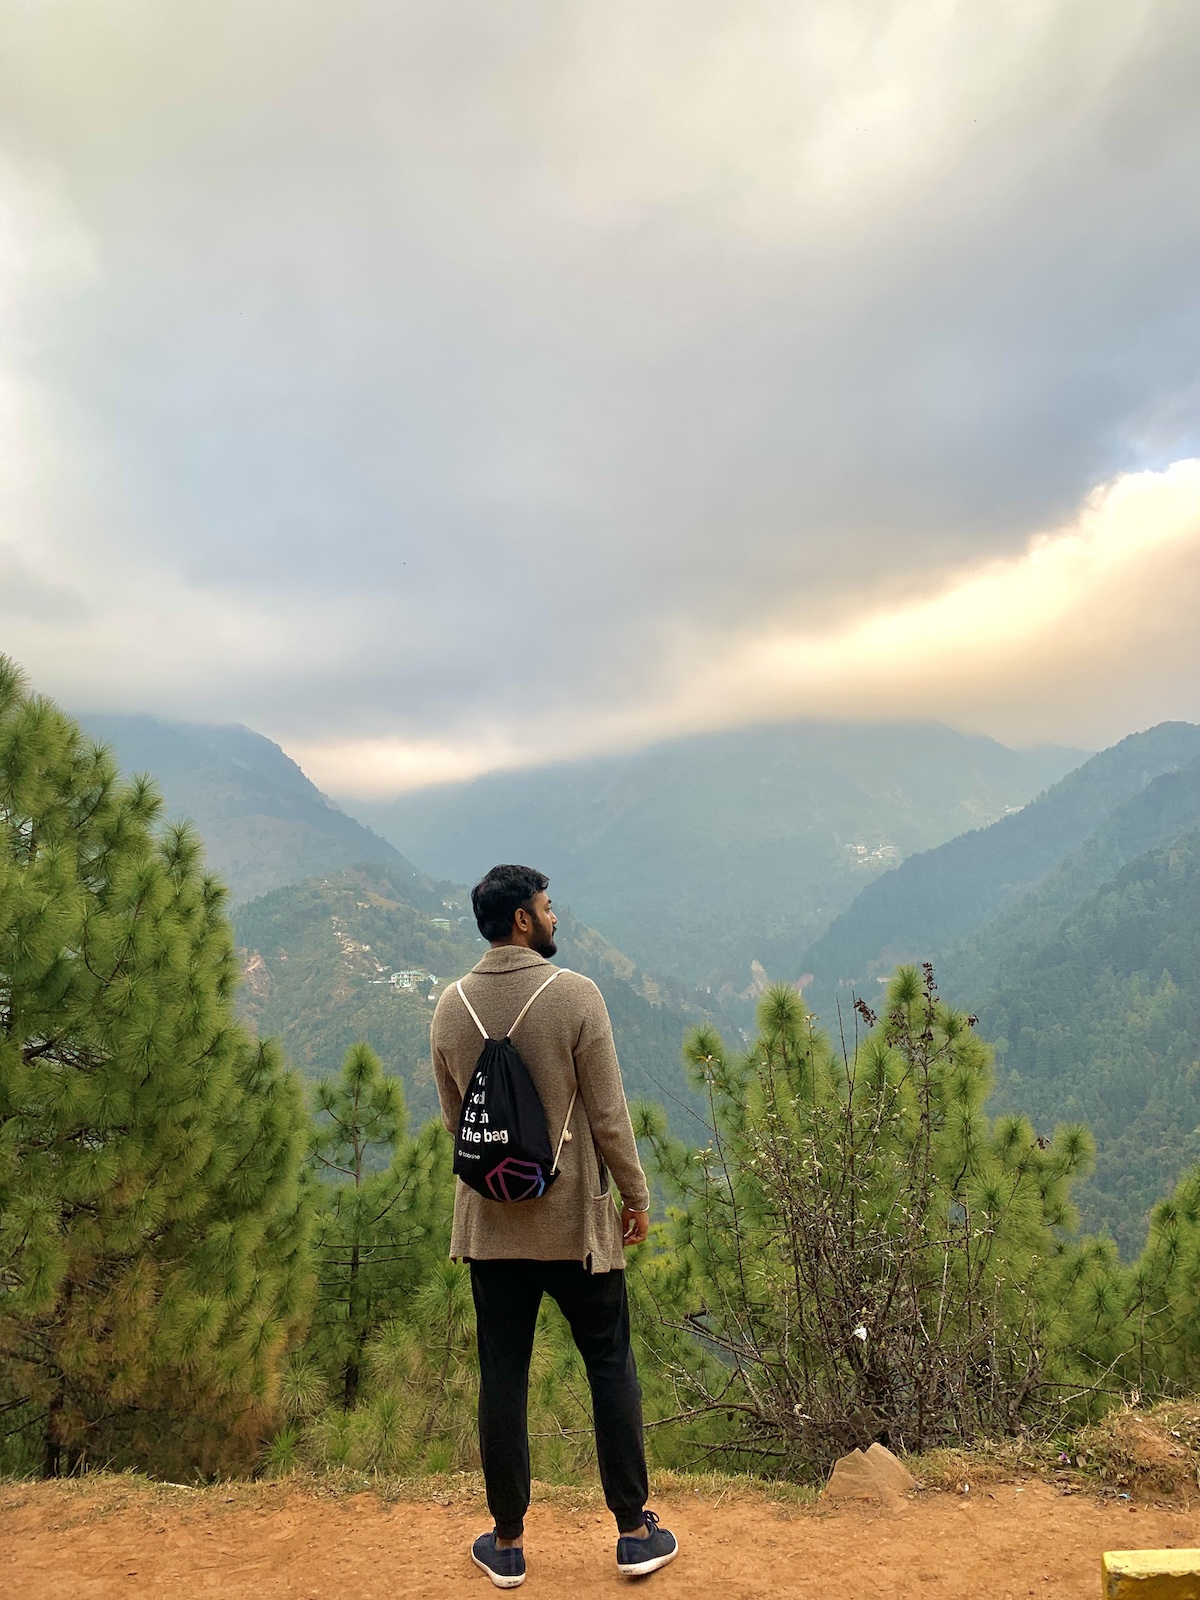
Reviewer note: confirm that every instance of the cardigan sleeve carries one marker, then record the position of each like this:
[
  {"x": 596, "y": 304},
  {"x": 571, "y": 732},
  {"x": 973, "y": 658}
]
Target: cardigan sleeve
[{"x": 603, "y": 1094}]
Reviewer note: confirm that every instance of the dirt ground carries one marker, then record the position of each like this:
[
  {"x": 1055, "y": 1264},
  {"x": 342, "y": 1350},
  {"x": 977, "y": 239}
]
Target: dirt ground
[{"x": 127, "y": 1538}]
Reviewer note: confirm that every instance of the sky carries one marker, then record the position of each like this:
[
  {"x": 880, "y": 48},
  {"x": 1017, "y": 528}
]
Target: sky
[{"x": 442, "y": 386}]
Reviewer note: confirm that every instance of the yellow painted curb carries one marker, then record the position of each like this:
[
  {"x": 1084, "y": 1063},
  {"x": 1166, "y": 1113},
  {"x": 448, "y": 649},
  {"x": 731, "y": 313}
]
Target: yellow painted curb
[{"x": 1151, "y": 1574}]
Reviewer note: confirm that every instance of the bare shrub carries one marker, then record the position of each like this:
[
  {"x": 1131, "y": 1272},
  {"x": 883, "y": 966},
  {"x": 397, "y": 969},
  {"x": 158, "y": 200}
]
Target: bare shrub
[{"x": 867, "y": 1253}]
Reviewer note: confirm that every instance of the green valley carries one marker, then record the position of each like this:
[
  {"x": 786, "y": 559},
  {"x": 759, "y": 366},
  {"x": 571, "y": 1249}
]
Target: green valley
[
  {"x": 704, "y": 856},
  {"x": 701, "y": 856}
]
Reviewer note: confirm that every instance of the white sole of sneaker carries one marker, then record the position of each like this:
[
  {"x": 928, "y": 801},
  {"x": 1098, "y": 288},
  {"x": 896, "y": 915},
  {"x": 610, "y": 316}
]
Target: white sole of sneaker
[
  {"x": 501, "y": 1583},
  {"x": 641, "y": 1569}
]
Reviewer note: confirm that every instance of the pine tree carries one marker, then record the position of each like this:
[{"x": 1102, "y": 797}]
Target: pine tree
[
  {"x": 1149, "y": 1330},
  {"x": 871, "y": 1255},
  {"x": 381, "y": 1224},
  {"x": 153, "y": 1267}
]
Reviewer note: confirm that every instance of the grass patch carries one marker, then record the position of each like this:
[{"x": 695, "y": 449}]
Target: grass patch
[
  {"x": 1142, "y": 1454},
  {"x": 1150, "y": 1452}
]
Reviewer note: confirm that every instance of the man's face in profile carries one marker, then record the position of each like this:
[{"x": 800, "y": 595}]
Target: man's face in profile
[{"x": 544, "y": 923}]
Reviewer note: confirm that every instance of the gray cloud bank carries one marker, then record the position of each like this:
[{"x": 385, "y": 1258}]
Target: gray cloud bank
[{"x": 463, "y": 381}]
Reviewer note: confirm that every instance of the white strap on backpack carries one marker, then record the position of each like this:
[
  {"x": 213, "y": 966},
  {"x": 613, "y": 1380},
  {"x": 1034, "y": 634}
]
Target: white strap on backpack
[{"x": 566, "y": 1133}]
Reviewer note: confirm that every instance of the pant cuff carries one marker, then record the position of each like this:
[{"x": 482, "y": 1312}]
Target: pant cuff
[
  {"x": 627, "y": 1521},
  {"x": 511, "y": 1530}
]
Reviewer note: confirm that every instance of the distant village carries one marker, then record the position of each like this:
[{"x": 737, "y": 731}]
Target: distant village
[
  {"x": 865, "y": 855},
  {"x": 408, "y": 980}
]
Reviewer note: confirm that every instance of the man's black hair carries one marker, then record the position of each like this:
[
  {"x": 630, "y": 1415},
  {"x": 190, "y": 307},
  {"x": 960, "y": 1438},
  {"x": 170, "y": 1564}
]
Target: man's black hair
[{"x": 498, "y": 896}]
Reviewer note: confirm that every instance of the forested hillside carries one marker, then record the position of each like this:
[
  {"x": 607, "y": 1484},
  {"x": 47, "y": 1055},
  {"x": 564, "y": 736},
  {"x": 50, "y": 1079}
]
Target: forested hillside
[
  {"x": 937, "y": 899},
  {"x": 1101, "y": 1023},
  {"x": 703, "y": 855},
  {"x": 1166, "y": 809},
  {"x": 350, "y": 957},
  {"x": 1071, "y": 930},
  {"x": 262, "y": 821}
]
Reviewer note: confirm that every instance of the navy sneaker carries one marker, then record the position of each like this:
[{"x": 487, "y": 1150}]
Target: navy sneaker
[
  {"x": 637, "y": 1557},
  {"x": 506, "y": 1568}
]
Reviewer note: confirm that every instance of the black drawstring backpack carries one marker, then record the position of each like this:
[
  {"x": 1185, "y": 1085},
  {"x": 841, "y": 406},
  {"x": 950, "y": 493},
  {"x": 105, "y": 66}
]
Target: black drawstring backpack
[{"x": 502, "y": 1149}]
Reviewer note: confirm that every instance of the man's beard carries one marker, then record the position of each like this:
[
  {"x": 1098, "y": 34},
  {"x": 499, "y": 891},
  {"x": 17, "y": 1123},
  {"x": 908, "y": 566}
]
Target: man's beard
[{"x": 545, "y": 946}]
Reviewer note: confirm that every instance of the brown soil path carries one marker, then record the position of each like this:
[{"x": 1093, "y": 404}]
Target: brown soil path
[{"x": 63, "y": 1542}]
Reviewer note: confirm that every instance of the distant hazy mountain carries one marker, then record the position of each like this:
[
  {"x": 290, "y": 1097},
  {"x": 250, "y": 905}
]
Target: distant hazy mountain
[
  {"x": 934, "y": 902},
  {"x": 263, "y": 822},
  {"x": 705, "y": 854},
  {"x": 350, "y": 957}
]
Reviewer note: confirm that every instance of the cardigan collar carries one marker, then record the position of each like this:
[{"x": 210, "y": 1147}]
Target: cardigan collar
[{"x": 509, "y": 958}]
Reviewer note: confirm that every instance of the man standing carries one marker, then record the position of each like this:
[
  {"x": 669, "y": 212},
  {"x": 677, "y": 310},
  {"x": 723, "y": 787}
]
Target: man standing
[{"x": 569, "y": 1243}]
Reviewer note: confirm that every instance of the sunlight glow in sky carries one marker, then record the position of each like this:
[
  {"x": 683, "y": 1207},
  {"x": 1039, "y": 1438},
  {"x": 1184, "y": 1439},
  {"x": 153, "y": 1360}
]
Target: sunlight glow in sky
[{"x": 1080, "y": 608}]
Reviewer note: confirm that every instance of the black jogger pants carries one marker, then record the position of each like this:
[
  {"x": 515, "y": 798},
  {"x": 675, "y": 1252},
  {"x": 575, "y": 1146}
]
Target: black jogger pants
[{"x": 507, "y": 1296}]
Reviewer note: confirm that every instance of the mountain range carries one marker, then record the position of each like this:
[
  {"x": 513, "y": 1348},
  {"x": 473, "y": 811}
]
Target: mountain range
[
  {"x": 1068, "y": 924},
  {"x": 703, "y": 856}
]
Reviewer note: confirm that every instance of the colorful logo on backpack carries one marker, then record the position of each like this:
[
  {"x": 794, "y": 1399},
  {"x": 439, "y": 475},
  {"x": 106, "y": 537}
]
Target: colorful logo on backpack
[{"x": 516, "y": 1180}]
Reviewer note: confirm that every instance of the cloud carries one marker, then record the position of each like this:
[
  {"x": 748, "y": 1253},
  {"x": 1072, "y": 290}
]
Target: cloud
[
  {"x": 1091, "y": 626},
  {"x": 450, "y": 382},
  {"x": 1090, "y": 623}
]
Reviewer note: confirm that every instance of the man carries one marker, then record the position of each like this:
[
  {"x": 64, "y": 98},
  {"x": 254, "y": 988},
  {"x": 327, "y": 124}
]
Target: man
[{"x": 569, "y": 1243}]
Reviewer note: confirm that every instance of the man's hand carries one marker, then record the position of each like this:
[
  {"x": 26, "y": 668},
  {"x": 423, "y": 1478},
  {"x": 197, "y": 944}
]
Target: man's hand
[{"x": 635, "y": 1226}]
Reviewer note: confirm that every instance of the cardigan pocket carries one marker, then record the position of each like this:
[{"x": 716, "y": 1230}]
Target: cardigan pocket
[{"x": 601, "y": 1179}]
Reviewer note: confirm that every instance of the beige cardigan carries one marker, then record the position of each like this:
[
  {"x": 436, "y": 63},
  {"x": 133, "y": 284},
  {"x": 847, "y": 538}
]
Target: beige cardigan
[{"x": 565, "y": 1039}]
